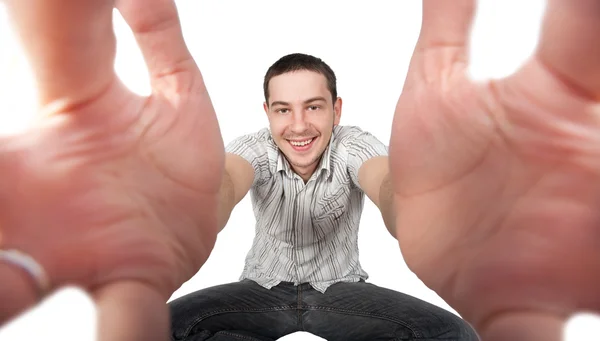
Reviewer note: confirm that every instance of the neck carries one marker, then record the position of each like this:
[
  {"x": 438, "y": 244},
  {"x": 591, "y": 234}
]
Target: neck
[{"x": 305, "y": 172}]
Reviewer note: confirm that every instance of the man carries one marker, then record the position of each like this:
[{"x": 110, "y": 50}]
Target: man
[
  {"x": 496, "y": 184},
  {"x": 307, "y": 176}
]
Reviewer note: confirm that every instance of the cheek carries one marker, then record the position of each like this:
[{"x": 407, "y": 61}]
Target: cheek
[
  {"x": 325, "y": 137},
  {"x": 278, "y": 129},
  {"x": 323, "y": 122},
  {"x": 324, "y": 127}
]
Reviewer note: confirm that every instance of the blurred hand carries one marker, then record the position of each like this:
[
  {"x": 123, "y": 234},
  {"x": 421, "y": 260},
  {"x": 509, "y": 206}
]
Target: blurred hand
[
  {"x": 497, "y": 184},
  {"x": 109, "y": 190}
]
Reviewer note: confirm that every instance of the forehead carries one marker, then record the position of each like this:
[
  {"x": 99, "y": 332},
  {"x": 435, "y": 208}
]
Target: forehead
[{"x": 297, "y": 86}]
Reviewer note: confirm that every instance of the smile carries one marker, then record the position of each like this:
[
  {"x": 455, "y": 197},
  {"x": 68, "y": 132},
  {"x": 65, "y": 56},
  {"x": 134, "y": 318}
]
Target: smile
[{"x": 302, "y": 145}]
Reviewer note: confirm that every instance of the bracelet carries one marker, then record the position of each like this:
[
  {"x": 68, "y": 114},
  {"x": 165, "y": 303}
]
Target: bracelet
[{"x": 29, "y": 265}]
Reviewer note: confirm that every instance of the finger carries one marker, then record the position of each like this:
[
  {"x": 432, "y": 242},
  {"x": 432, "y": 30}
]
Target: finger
[
  {"x": 131, "y": 311},
  {"x": 70, "y": 45},
  {"x": 443, "y": 40},
  {"x": 16, "y": 291},
  {"x": 157, "y": 29},
  {"x": 446, "y": 23},
  {"x": 524, "y": 326},
  {"x": 569, "y": 44}
]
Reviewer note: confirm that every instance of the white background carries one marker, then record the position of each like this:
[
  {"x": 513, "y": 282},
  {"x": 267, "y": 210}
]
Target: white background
[{"x": 234, "y": 42}]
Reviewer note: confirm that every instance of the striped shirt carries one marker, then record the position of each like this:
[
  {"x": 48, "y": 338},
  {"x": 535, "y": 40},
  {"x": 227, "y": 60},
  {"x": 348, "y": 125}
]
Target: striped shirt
[{"x": 306, "y": 232}]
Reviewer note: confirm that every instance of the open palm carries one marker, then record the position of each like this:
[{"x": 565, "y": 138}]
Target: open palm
[
  {"x": 109, "y": 187},
  {"x": 498, "y": 184}
]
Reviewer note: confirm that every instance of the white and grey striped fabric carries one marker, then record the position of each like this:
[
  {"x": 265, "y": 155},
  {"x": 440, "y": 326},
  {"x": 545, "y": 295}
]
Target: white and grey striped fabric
[{"x": 306, "y": 233}]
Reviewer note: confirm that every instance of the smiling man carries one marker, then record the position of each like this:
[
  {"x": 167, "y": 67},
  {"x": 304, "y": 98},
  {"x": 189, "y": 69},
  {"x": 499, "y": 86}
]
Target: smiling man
[{"x": 307, "y": 176}]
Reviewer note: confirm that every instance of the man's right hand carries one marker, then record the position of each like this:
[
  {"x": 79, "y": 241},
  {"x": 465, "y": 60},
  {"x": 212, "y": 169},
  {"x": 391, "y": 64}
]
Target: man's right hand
[{"x": 109, "y": 190}]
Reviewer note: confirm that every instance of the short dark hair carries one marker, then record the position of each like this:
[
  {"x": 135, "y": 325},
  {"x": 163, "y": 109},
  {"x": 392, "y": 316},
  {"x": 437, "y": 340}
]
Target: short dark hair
[{"x": 298, "y": 62}]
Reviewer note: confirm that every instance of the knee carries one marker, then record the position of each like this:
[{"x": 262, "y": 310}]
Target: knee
[
  {"x": 440, "y": 325},
  {"x": 184, "y": 321},
  {"x": 455, "y": 328}
]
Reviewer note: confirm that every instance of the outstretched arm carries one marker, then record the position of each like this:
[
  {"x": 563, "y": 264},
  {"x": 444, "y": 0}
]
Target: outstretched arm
[
  {"x": 237, "y": 180},
  {"x": 375, "y": 181}
]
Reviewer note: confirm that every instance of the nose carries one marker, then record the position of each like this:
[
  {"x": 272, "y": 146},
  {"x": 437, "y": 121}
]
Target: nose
[{"x": 299, "y": 124}]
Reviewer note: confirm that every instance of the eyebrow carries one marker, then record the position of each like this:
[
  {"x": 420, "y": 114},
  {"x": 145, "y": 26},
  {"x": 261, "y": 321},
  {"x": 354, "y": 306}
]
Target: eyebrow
[{"x": 310, "y": 100}]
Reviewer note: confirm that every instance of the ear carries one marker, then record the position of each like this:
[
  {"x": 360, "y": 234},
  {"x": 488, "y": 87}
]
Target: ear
[
  {"x": 266, "y": 107},
  {"x": 337, "y": 108}
]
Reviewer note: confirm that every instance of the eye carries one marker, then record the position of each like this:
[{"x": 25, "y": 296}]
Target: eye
[
  {"x": 282, "y": 111},
  {"x": 314, "y": 107}
]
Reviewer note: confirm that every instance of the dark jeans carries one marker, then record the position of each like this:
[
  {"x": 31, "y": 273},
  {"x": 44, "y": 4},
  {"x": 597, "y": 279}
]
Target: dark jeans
[{"x": 345, "y": 312}]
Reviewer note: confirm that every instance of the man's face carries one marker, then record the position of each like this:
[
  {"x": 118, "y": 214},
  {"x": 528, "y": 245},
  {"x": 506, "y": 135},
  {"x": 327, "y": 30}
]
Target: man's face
[{"x": 302, "y": 116}]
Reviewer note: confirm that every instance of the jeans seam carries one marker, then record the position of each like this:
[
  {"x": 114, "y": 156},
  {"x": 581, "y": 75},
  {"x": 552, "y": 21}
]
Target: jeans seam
[
  {"x": 299, "y": 308},
  {"x": 222, "y": 311},
  {"x": 241, "y": 337},
  {"x": 412, "y": 328}
]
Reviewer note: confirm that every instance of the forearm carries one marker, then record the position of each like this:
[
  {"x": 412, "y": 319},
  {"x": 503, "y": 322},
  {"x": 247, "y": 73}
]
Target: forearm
[
  {"x": 226, "y": 200},
  {"x": 386, "y": 204},
  {"x": 17, "y": 292}
]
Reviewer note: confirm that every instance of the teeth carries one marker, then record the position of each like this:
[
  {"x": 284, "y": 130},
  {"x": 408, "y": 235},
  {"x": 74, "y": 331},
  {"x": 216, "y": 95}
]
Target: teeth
[{"x": 300, "y": 144}]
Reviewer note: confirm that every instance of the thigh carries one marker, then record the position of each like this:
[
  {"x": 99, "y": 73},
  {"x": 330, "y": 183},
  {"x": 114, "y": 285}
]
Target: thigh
[
  {"x": 240, "y": 308},
  {"x": 363, "y": 311}
]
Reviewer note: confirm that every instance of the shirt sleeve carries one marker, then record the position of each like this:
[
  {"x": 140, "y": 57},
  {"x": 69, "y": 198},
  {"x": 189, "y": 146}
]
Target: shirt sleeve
[
  {"x": 361, "y": 147},
  {"x": 253, "y": 150}
]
